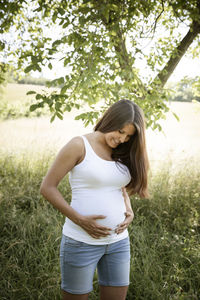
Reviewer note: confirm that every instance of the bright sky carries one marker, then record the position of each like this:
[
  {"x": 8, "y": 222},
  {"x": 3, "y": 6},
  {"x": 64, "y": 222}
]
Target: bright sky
[{"x": 186, "y": 67}]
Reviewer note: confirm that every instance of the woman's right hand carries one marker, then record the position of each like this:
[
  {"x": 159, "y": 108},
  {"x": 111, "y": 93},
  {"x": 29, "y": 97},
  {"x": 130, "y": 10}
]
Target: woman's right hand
[{"x": 89, "y": 224}]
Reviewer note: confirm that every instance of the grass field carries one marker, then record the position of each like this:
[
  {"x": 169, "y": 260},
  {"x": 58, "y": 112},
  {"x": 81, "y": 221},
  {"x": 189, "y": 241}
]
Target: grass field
[
  {"x": 165, "y": 234},
  {"x": 180, "y": 140},
  {"x": 13, "y": 92}
]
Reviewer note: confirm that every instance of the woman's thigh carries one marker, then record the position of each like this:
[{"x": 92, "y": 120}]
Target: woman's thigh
[
  {"x": 78, "y": 262},
  {"x": 114, "y": 265}
]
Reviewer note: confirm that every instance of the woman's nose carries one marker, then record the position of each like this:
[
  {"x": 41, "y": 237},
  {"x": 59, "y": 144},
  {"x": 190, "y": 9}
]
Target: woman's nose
[{"x": 122, "y": 139}]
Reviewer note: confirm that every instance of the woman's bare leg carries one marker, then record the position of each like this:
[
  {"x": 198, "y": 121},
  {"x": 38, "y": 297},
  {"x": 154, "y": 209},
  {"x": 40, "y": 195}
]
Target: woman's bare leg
[
  {"x": 68, "y": 296},
  {"x": 113, "y": 292}
]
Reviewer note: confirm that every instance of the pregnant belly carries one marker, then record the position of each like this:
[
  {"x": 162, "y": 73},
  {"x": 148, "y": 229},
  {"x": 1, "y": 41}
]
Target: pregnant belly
[
  {"x": 112, "y": 219},
  {"x": 112, "y": 208}
]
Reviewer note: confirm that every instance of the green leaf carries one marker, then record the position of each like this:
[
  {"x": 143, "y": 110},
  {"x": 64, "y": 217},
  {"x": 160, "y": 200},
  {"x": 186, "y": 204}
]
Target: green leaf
[
  {"x": 65, "y": 24},
  {"x": 29, "y": 68},
  {"x": 52, "y": 118},
  {"x": 30, "y": 93},
  {"x": 2, "y": 46},
  {"x": 38, "y": 96},
  {"x": 61, "y": 11},
  {"x": 41, "y": 104},
  {"x": 80, "y": 117},
  {"x": 33, "y": 107},
  {"x": 34, "y": 59},
  {"x": 54, "y": 17},
  {"x": 67, "y": 61},
  {"x": 38, "y": 9},
  {"x": 106, "y": 13},
  {"x": 64, "y": 89},
  {"x": 77, "y": 105},
  {"x": 61, "y": 22},
  {"x": 38, "y": 67},
  {"x": 56, "y": 43},
  {"x": 60, "y": 80},
  {"x": 59, "y": 115},
  {"x": 58, "y": 106},
  {"x": 176, "y": 116},
  {"x": 50, "y": 66}
]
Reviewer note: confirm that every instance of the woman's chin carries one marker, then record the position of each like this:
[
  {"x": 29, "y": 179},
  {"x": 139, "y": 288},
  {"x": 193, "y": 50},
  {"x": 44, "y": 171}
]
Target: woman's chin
[{"x": 114, "y": 145}]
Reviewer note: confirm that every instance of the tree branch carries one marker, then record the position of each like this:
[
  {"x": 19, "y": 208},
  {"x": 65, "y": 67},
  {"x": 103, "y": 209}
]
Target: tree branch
[{"x": 178, "y": 53}]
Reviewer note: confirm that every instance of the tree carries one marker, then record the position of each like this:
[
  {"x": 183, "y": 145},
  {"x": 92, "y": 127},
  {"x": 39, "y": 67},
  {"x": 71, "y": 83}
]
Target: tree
[
  {"x": 185, "y": 90},
  {"x": 100, "y": 43},
  {"x": 9, "y": 10}
]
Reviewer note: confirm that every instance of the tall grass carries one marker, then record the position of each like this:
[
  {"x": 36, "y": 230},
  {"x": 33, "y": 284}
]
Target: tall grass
[
  {"x": 16, "y": 110},
  {"x": 165, "y": 237},
  {"x": 14, "y": 103},
  {"x": 165, "y": 241}
]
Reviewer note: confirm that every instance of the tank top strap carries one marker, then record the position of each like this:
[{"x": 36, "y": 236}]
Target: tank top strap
[{"x": 88, "y": 147}]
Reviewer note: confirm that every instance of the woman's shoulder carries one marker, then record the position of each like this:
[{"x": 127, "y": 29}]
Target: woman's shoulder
[
  {"x": 77, "y": 140},
  {"x": 73, "y": 150},
  {"x": 76, "y": 143}
]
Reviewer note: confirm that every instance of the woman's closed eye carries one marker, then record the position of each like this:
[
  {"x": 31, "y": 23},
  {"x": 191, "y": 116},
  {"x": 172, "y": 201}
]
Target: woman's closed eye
[
  {"x": 127, "y": 136},
  {"x": 121, "y": 131}
]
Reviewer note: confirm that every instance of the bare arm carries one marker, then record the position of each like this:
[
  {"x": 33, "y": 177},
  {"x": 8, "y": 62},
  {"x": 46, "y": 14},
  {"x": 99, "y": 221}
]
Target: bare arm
[
  {"x": 127, "y": 201},
  {"x": 69, "y": 156},
  {"x": 129, "y": 215}
]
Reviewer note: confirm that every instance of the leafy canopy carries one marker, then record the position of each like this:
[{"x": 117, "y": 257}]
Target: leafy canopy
[{"x": 100, "y": 45}]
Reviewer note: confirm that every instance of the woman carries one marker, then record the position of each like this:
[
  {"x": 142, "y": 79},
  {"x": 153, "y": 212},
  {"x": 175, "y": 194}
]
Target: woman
[{"x": 102, "y": 165}]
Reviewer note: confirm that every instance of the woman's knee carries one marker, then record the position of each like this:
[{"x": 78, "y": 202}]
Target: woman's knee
[{"x": 69, "y": 296}]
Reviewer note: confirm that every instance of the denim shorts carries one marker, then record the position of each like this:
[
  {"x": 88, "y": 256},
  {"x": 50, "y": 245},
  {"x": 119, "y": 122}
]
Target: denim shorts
[{"x": 79, "y": 261}]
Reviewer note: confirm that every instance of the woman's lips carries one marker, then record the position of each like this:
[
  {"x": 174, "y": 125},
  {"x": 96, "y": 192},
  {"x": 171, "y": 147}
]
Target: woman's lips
[{"x": 116, "y": 143}]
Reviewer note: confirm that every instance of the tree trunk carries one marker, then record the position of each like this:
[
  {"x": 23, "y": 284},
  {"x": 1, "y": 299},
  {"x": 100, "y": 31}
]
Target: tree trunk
[{"x": 169, "y": 68}]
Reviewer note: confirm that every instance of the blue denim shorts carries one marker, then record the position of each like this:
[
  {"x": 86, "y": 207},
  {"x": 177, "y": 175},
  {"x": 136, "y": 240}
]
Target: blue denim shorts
[{"x": 79, "y": 261}]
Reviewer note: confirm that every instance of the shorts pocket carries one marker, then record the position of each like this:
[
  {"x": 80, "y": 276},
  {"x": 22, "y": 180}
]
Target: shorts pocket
[
  {"x": 72, "y": 251},
  {"x": 71, "y": 242}
]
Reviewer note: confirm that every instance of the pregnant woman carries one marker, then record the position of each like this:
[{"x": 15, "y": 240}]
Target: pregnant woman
[{"x": 104, "y": 167}]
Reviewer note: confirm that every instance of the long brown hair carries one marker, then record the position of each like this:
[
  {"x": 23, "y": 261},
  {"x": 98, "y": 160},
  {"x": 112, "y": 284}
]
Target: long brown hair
[{"x": 133, "y": 153}]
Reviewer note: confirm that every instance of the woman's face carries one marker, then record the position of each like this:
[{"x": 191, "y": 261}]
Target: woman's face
[{"x": 114, "y": 138}]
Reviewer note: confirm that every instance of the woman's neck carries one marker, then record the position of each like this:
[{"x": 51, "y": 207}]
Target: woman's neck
[{"x": 99, "y": 137}]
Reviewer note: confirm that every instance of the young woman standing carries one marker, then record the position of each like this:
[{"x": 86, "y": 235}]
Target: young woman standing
[{"x": 104, "y": 167}]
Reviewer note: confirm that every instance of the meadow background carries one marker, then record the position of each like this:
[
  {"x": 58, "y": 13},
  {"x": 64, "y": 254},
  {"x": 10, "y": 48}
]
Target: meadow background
[{"x": 165, "y": 240}]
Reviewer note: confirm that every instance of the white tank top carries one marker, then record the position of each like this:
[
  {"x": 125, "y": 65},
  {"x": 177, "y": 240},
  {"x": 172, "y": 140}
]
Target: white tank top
[{"x": 96, "y": 190}]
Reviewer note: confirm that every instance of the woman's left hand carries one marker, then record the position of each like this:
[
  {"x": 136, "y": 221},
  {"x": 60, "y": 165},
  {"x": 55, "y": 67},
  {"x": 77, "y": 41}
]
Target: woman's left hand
[{"x": 129, "y": 215}]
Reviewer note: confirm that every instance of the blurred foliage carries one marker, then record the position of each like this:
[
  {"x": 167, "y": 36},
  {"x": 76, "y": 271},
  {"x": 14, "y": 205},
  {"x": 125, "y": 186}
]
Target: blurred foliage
[
  {"x": 16, "y": 109},
  {"x": 12, "y": 75},
  {"x": 196, "y": 87},
  {"x": 186, "y": 90}
]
